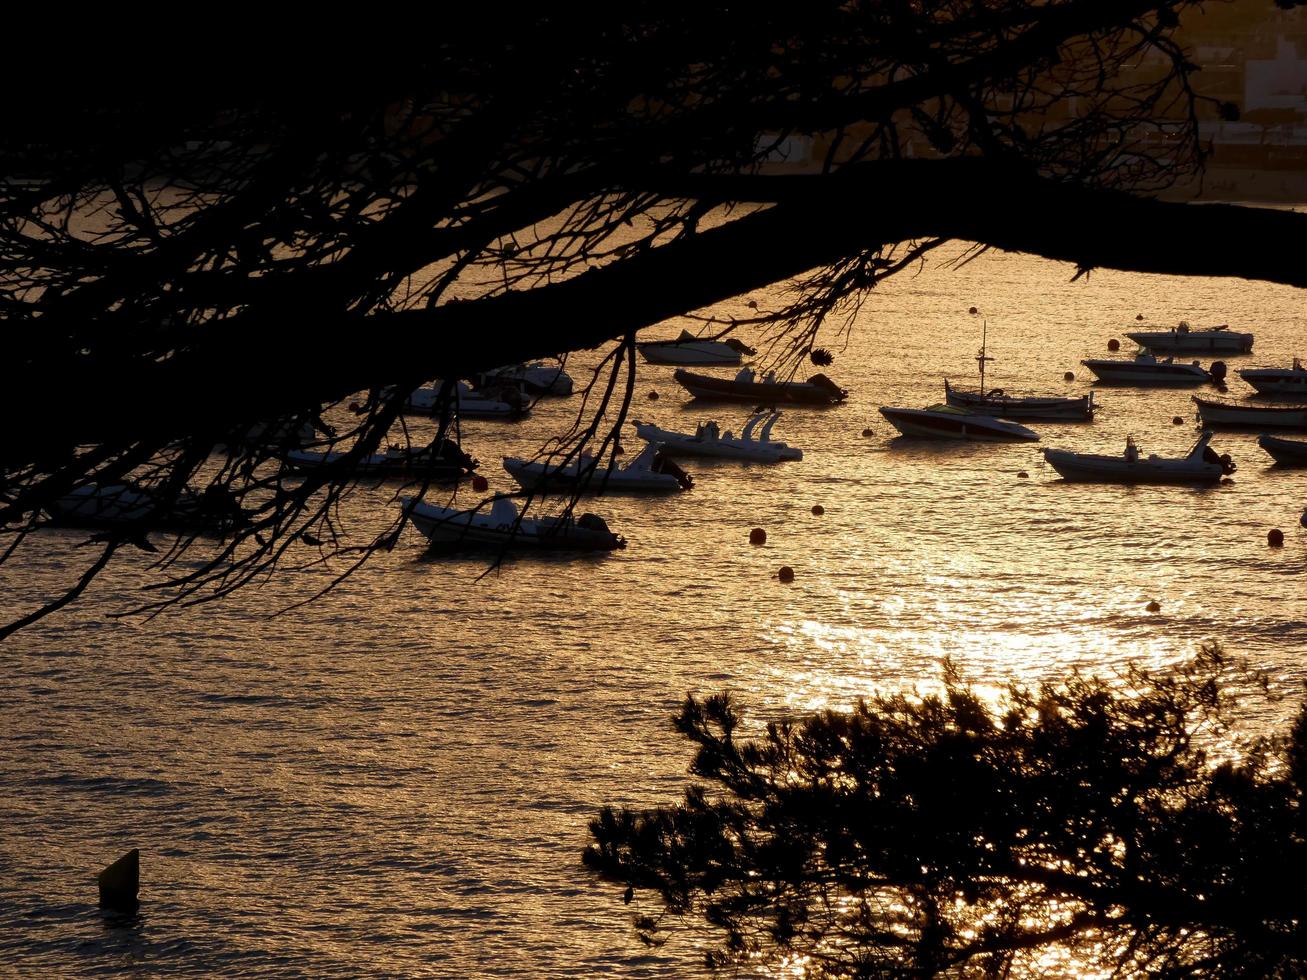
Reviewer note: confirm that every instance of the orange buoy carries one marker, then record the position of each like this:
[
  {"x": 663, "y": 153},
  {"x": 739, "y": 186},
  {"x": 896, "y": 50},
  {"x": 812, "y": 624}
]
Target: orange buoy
[
  {"x": 480, "y": 484},
  {"x": 973, "y": 311},
  {"x": 786, "y": 574},
  {"x": 619, "y": 450},
  {"x": 1114, "y": 344},
  {"x": 1139, "y": 316},
  {"x": 653, "y": 396},
  {"x": 818, "y": 509},
  {"x": 356, "y": 408},
  {"x": 1275, "y": 537},
  {"x": 1069, "y": 376},
  {"x": 752, "y": 304},
  {"x": 757, "y": 536},
  {"x": 1023, "y": 475},
  {"x": 867, "y": 433},
  {"x": 1176, "y": 420},
  {"x": 1154, "y": 606}
]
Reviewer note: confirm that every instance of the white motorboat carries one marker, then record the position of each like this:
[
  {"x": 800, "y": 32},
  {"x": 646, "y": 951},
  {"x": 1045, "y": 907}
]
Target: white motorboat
[
  {"x": 1199, "y": 465},
  {"x": 745, "y": 387},
  {"x": 1251, "y": 416},
  {"x": 709, "y": 441},
  {"x": 1145, "y": 370},
  {"x": 692, "y": 350},
  {"x": 470, "y": 404},
  {"x": 448, "y": 462},
  {"x": 1184, "y": 339},
  {"x": 999, "y": 404},
  {"x": 501, "y": 526},
  {"x": 1277, "y": 381},
  {"x": 1286, "y": 452},
  {"x": 536, "y": 378},
  {"x": 951, "y": 422},
  {"x": 650, "y": 471},
  {"x": 127, "y": 505}
]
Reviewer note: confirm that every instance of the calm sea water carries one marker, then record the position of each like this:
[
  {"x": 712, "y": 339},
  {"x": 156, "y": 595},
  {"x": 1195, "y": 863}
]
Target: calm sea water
[{"x": 396, "y": 779}]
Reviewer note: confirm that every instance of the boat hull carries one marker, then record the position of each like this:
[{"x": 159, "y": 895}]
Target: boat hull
[
  {"x": 701, "y": 354},
  {"x": 387, "y": 466},
  {"x": 532, "y": 475},
  {"x": 1193, "y": 342},
  {"x": 1250, "y": 416},
  {"x": 925, "y": 424},
  {"x": 1286, "y": 452},
  {"x": 1273, "y": 381},
  {"x": 708, "y": 388},
  {"x": 1147, "y": 375},
  {"x": 445, "y": 527},
  {"x": 1012, "y": 407},
  {"x": 1090, "y": 468}
]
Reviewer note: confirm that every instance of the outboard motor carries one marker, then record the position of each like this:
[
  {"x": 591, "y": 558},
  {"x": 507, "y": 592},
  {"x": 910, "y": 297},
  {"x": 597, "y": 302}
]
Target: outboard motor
[
  {"x": 1217, "y": 371},
  {"x": 821, "y": 381},
  {"x": 1227, "y": 464}
]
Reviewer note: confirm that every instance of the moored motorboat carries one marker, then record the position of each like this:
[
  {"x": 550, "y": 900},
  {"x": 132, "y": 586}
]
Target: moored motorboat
[
  {"x": 692, "y": 350},
  {"x": 744, "y": 387},
  {"x": 443, "y": 463},
  {"x": 1200, "y": 465},
  {"x": 501, "y": 526},
  {"x": 536, "y": 378},
  {"x": 1277, "y": 381},
  {"x": 507, "y": 403},
  {"x": 128, "y": 505},
  {"x": 709, "y": 441},
  {"x": 951, "y": 422},
  {"x": 650, "y": 471},
  {"x": 1214, "y": 412},
  {"x": 1144, "y": 369},
  {"x": 1184, "y": 339},
  {"x": 999, "y": 404},
  {"x": 1286, "y": 452}
]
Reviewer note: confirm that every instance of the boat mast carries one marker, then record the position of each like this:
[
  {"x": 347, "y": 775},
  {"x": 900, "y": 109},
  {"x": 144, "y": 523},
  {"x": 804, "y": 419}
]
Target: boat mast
[{"x": 981, "y": 358}]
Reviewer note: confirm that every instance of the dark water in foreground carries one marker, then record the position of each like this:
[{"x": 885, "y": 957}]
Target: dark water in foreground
[{"x": 396, "y": 779}]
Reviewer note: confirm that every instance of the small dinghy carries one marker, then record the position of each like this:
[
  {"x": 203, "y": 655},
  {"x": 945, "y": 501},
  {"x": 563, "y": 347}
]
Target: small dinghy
[
  {"x": 650, "y": 472},
  {"x": 1146, "y": 370},
  {"x": 507, "y": 403},
  {"x": 744, "y": 387},
  {"x": 127, "y": 505},
  {"x": 500, "y": 526},
  {"x": 950, "y": 422},
  {"x": 445, "y": 463},
  {"x": 1286, "y": 452},
  {"x": 1214, "y": 412},
  {"x": 536, "y": 378},
  {"x": 708, "y": 441},
  {"x": 1184, "y": 339},
  {"x": 1199, "y": 465},
  {"x": 692, "y": 350},
  {"x": 1277, "y": 381}
]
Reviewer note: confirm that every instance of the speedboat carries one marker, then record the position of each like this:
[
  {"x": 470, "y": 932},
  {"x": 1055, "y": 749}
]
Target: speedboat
[
  {"x": 1277, "y": 381},
  {"x": 998, "y": 403},
  {"x": 709, "y": 441},
  {"x": 501, "y": 526},
  {"x": 506, "y": 403},
  {"x": 128, "y": 505},
  {"x": 1254, "y": 416},
  {"x": 817, "y": 390},
  {"x": 1199, "y": 465},
  {"x": 447, "y": 462},
  {"x": 536, "y": 378},
  {"x": 649, "y": 471},
  {"x": 1286, "y": 452},
  {"x": 1145, "y": 369},
  {"x": 689, "y": 349},
  {"x": 950, "y": 422},
  {"x": 1184, "y": 339}
]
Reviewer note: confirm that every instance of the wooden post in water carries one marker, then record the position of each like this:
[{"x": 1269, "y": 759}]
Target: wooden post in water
[{"x": 120, "y": 882}]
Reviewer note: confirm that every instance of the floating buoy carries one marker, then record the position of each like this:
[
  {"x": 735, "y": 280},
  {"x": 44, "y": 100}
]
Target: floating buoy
[
  {"x": 653, "y": 396},
  {"x": 356, "y": 408},
  {"x": 619, "y": 450},
  {"x": 752, "y": 304},
  {"x": 120, "y": 882},
  {"x": 867, "y": 433},
  {"x": 1154, "y": 606},
  {"x": 480, "y": 484},
  {"x": 1023, "y": 475},
  {"x": 786, "y": 574},
  {"x": 757, "y": 536},
  {"x": 818, "y": 509},
  {"x": 1139, "y": 316},
  {"x": 1177, "y": 420},
  {"x": 1069, "y": 376},
  {"x": 1275, "y": 537},
  {"x": 1303, "y": 520},
  {"x": 1114, "y": 344},
  {"x": 973, "y": 311}
]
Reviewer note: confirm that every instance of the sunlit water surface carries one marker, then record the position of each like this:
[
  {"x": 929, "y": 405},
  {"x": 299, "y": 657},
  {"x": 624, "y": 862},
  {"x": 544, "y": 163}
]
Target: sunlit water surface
[{"x": 396, "y": 779}]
